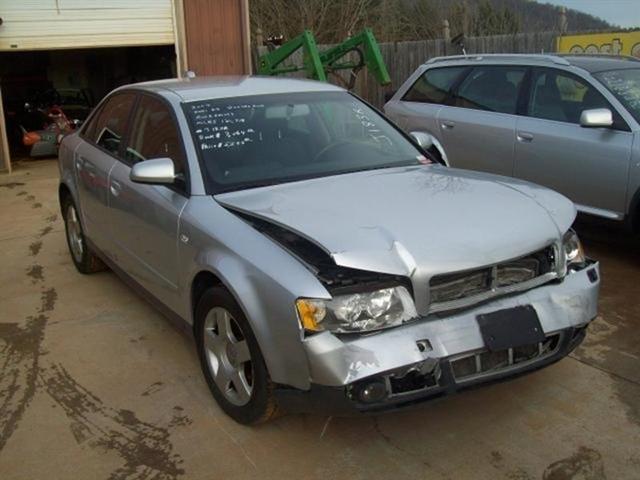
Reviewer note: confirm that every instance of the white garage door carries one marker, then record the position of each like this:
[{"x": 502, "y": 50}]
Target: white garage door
[{"x": 55, "y": 24}]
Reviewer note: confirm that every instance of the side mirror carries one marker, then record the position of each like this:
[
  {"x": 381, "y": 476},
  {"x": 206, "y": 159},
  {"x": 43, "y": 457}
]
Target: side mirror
[
  {"x": 423, "y": 139},
  {"x": 597, "y": 117},
  {"x": 158, "y": 171}
]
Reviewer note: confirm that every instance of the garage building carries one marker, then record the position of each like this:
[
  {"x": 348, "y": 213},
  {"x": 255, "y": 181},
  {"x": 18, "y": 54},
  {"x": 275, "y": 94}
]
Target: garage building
[{"x": 73, "y": 52}]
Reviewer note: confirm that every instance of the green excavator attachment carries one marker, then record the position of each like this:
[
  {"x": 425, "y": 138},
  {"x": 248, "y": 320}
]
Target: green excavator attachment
[{"x": 318, "y": 65}]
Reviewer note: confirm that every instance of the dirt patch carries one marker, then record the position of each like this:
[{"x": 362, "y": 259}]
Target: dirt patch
[
  {"x": 153, "y": 388},
  {"x": 36, "y": 205},
  {"x": 146, "y": 449},
  {"x": 36, "y": 273},
  {"x": 11, "y": 185},
  {"x": 497, "y": 461},
  {"x": 34, "y": 248},
  {"x": 20, "y": 351},
  {"x": 48, "y": 300},
  {"x": 179, "y": 419},
  {"x": 585, "y": 464},
  {"x": 45, "y": 231}
]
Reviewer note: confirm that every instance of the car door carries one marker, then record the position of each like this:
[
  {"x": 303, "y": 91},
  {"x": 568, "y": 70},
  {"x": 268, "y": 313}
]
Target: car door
[
  {"x": 145, "y": 218},
  {"x": 94, "y": 158},
  {"x": 418, "y": 108},
  {"x": 478, "y": 130},
  {"x": 588, "y": 165}
]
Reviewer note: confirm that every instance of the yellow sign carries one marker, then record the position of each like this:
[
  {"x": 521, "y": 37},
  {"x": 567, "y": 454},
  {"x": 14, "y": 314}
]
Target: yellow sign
[{"x": 621, "y": 43}]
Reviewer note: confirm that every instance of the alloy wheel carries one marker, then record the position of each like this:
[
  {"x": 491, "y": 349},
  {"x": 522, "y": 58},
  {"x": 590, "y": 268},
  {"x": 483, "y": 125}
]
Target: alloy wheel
[
  {"x": 74, "y": 233},
  {"x": 228, "y": 356}
]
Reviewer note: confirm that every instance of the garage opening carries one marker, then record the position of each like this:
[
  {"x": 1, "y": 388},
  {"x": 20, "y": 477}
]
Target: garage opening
[{"x": 44, "y": 92}]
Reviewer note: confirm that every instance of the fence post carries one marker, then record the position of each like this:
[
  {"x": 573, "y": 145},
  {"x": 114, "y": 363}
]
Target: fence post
[
  {"x": 563, "y": 22},
  {"x": 446, "y": 31}
]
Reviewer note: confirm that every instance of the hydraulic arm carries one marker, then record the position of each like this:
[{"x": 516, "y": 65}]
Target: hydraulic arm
[{"x": 318, "y": 64}]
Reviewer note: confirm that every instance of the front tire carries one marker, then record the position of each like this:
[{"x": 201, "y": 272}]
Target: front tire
[
  {"x": 231, "y": 360},
  {"x": 83, "y": 258}
]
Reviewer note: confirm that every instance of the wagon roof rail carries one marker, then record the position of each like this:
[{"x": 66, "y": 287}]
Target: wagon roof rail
[
  {"x": 503, "y": 56},
  {"x": 600, "y": 55}
]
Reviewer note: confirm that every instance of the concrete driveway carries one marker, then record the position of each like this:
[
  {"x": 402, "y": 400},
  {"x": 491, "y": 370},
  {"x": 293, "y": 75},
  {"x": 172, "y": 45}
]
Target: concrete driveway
[{"x": 95, "y": 384}]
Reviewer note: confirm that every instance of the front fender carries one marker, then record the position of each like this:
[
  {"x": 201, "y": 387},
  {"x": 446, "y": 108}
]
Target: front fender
[
  {"x": 264, "y": 279},
  {"x": 66, "y": 167}
]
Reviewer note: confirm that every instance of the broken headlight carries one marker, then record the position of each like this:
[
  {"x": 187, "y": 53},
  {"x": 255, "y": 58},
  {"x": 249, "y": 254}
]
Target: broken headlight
[
  {"x": 358, "y": 312},
  {"x": 574, "y": 255}
]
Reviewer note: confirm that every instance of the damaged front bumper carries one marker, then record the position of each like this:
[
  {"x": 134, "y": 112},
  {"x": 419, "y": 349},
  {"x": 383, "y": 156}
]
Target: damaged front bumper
[{"x": 435, "y": 356}]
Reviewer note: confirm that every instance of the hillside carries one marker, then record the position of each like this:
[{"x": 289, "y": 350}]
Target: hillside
[
  {"x": 397, "y": 20},
  {"x": 540, "y": 16}
]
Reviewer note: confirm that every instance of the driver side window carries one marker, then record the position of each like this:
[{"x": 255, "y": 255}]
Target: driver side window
[
  {"x": 562, "y": 97},
  {"x": 108, "y": 126},
  {"x": 155, "y": 134}
]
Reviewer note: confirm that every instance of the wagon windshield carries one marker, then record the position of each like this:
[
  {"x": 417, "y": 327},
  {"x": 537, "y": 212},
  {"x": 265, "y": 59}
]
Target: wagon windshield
[
  {"x": 625, "y": 85},
  {"x": 262, "y": 140}
]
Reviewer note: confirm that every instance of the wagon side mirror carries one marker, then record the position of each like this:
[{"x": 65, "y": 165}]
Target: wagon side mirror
[
  {"x": 597, "y": 117},
  {"x": 423, "y": 139}
]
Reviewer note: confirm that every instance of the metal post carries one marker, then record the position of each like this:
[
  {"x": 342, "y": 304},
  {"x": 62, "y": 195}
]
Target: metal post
[
  {"x": 5, "y": 158},
  {"x": 446, "y": 30},
  {"x": 563, "y": 22},
  {"x": 259, "y": 38}
]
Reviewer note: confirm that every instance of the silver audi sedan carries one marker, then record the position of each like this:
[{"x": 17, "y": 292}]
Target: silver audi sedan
[{"x": 320, "y": 258}]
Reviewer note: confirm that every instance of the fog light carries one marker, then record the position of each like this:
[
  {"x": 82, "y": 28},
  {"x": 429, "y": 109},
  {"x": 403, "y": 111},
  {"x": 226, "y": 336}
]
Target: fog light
[{"x": 371, "y": 392}]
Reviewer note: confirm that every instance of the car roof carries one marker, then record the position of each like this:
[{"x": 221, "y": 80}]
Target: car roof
[
  {"x": 590, "y": 63},
  {"x": 206, "y": 88}
]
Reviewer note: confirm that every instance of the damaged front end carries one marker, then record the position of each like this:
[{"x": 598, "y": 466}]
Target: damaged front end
[{"x": 370, "y": 349}]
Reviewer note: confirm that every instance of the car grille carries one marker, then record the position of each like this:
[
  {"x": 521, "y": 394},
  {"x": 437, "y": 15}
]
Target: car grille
[
  {"x": 487, "y": 363},
  {"x": 458, "y": 290}
]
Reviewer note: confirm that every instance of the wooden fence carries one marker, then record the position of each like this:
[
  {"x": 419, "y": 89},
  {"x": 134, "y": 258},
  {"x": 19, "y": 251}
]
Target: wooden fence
[{"x": 402, "y": 58}]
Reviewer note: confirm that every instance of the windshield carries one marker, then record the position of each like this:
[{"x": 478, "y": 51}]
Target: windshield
[
  {"x": 625, "y": 85},
  {"x": 261, "y": 140}
]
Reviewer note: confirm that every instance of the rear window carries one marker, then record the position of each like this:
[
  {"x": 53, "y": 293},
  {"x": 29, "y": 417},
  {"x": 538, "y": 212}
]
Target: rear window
[
  {"x": 434, "y": 85},
  {"x": 494, "y": 89}
]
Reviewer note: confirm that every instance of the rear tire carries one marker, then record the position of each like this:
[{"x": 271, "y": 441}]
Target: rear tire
[
  {"x": 231, "y": 360},
  {"x": 85, "y": 260}
]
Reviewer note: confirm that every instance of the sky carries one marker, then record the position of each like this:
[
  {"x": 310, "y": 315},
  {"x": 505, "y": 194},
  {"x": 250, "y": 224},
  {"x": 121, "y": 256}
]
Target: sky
[{"x": 625, "y": 13}]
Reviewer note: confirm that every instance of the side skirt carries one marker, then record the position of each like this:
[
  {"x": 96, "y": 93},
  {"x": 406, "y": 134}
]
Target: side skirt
[{"x": 175, "y": 320}]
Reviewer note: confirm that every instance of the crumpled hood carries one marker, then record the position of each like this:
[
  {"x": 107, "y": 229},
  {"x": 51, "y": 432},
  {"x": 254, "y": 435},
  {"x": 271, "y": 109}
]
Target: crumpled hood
[{"x": 430, "y": 218}]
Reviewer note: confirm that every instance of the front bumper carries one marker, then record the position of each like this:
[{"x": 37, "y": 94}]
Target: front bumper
[{"x": 436, "y": 356}]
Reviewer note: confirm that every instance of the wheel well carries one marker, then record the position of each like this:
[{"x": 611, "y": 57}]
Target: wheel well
[
  {"x": 63, "y": 194},
  {"x": 201, "y": 283},
  {"x": 633, "y": 217}
]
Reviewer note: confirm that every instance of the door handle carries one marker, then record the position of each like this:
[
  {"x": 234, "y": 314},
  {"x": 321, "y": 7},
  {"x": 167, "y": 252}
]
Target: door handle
[
  {"x": 448, "y": 125},
  {"x": 525, "y": 137},
  {"x": 79, "y": 162},
  {"x": 115, "y": 188}
]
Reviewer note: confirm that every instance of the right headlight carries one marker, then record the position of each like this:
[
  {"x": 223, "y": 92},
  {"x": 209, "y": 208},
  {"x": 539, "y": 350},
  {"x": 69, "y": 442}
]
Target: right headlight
[
  {"x": 357, "y": 312},
  {"x": 574, "y": 256}
]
